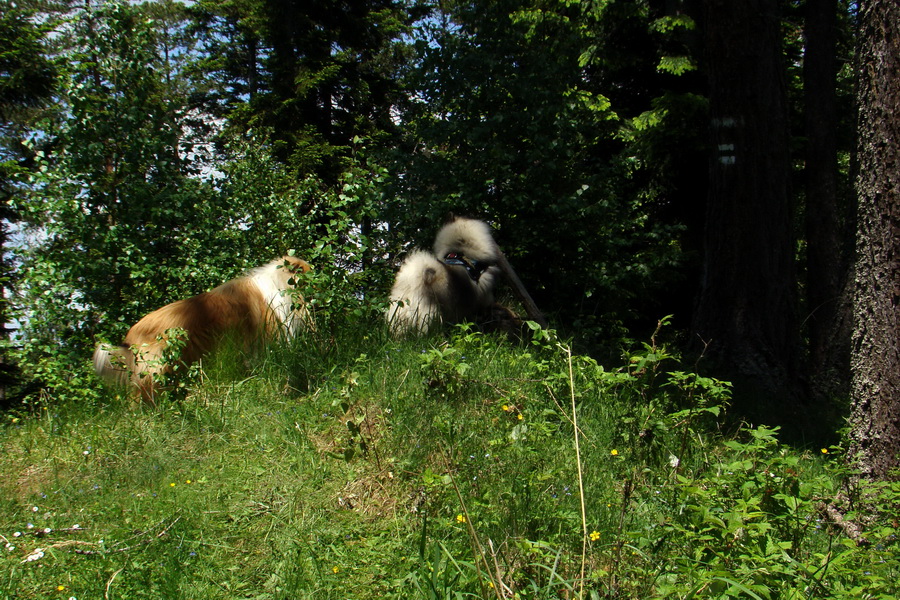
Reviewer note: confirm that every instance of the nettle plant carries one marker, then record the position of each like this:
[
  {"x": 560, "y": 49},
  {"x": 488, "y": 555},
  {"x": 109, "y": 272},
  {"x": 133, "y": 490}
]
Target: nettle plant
[
  {"x": 584, "y": 447},
  {"x": 658, "y": 501},
  {"x": 738, "y": 524},
  {"x": 169, "y": 373}
]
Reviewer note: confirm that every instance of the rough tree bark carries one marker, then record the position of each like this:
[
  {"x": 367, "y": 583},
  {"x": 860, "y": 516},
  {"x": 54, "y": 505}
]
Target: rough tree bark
[
  {"x": 875, "y": 413},
  {"x": 746, "y": 309}
]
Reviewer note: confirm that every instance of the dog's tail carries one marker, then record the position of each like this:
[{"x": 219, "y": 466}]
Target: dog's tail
[
  {"x": 112, "y": 363},
  {"x": 468, "y": 237}
]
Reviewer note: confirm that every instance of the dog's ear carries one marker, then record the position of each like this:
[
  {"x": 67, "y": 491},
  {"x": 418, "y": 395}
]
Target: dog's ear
[
  {"x": 296, "y": 265},
  {"x": 449, "y": 217}
]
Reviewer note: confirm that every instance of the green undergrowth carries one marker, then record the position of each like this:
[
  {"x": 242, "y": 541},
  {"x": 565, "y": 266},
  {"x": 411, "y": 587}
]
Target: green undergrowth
[{"x": 347, "y": 465}]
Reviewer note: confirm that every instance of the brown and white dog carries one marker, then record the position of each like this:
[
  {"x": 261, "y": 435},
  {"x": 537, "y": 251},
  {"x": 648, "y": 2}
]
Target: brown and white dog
[
  {"x": 451, "y": 285},
  {"x": 258, "y": 305}
]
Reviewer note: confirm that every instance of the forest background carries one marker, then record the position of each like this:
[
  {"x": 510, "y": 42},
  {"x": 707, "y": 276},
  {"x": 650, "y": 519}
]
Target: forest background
[
  {"x": 705, "y": 183},
  {"x": 154, "y": 150}
]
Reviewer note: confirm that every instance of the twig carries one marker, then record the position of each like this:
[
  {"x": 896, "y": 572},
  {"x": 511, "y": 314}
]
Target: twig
[
  {"x": 67, "y": 543},
  {"x": 852, "y": 529},
  {"x": 109, "y": 583},
  {"x": 143, "y": 542},
  {"x": 531, "y": 308},
  {"x": 562, "y": 410},
  {"x": 507, "y": 591}
]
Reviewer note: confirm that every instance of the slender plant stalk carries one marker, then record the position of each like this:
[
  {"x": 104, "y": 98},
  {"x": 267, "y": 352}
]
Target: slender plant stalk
[
  {"x": 584, "y": 533},
  {"x": 481, "y": 556}
]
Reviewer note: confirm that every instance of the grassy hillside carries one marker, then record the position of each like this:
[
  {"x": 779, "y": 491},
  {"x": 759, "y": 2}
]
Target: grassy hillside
[{"x": 352, "y": 466}]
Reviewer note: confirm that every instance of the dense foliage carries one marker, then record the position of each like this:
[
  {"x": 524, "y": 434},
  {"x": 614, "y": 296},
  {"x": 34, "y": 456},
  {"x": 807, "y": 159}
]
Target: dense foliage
[
  {"x": 516, "y": 118},
  {"x": 634, "y": 158},
  {"x": 188, "y": 142}
]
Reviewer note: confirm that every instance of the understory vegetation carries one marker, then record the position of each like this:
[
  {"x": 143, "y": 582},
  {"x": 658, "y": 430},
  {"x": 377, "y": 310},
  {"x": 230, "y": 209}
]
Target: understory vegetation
[
  {"x": 348, "y": 465},
  {"x": 724, "y": 163}
]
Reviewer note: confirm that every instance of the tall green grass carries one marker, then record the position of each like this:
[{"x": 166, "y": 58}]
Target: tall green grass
[{"x": 348, "y": 465}]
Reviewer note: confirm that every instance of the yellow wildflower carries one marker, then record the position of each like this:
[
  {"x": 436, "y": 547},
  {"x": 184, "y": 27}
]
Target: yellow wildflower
[
  {"x": 460, "y": 518},
  {"x": 614, "y": 452},
  {"x": 595, "y": 535}
]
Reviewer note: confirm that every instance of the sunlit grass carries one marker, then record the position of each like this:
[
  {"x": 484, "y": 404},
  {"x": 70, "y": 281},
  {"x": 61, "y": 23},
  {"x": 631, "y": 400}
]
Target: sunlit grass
[{"x": 349, "y": 465}]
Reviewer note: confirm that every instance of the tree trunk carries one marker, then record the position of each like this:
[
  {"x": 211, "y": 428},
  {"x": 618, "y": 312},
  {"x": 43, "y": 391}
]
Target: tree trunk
[
  {"x": 829, "y": 319},
  {"x": 875, "y": 414},
  {"x": 6, "y": 371},
  {"x": 746, "y": 309}
]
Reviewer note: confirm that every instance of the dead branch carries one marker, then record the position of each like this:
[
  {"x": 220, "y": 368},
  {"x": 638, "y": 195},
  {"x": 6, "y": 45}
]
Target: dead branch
[{"x": 521, "y": 293}]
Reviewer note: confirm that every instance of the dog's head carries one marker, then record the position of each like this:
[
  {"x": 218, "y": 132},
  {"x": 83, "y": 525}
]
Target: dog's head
[
  {"x": 295, "y": 265},
  {"x": 470, "y": 238}
]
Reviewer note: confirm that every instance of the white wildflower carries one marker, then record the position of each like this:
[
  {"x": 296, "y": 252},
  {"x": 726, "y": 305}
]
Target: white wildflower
[{"x": 37, "y": 554}]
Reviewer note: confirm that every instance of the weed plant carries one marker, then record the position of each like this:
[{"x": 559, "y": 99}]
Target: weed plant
[{"x": 348, "y": 465}]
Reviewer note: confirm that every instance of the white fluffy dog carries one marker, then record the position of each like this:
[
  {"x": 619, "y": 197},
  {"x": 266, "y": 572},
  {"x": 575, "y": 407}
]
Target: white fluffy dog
[
  {"x": 251, "y": 307},
  {"x": 452, "y": 285}
]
